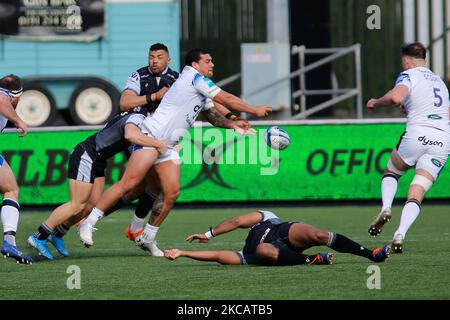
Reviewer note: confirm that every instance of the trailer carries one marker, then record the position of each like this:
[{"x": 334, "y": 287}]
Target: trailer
[{"x": 76, "y": 55}]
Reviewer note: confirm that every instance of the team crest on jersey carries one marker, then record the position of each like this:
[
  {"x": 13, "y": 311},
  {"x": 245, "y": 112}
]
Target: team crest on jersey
[
  {"x": 436, "y": 162},
  {"x": 434, "y": 117}
]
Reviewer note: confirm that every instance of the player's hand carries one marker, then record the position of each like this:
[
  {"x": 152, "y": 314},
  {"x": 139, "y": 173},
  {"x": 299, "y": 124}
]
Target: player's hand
[
  {"x": 22, "y": 127},
  {"x": 240, "y": 124},
  {"x": 161, "y": 92},
  {"x": 244, "y": 127},
  {"x": 172, "y": 254},
  {"x": 161, "y": 147},
  {"x": 201, "y": 237},
  {"x": 177, "y": 147},
  {"x": 262, "y": 111},
  {"x": 371, "y": 104}
]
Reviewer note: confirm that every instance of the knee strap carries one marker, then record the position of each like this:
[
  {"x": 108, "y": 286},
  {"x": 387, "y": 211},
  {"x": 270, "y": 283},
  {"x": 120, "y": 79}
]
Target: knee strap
[{"x": 422, "y": 181}]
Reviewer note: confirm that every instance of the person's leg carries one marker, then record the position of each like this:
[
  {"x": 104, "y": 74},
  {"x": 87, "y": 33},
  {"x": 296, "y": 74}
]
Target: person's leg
[
  {"x": 421, "y": 183},
  {"x": 147, "y": 200},
  {"x": 430, "y": 160},
  {"x": 169, "y": 175},
  {"x": 97, "y": 190},
  {"x": 60, "y": 231},
  {"x": 268, "y": 254},
  {"x": 303, "y": 236},
  {"x": 395, "y": 169},
  {"x": 10, "y": 214},
  {"x": 139, "y": 163},
  {"x": 79, "y": 195},
  {"x": 10, "y": 205},
  {"x": 222, "y": 257}
]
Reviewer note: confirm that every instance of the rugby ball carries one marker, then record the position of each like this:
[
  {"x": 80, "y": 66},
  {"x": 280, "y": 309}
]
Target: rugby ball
[{"x": 277, "y": 138}]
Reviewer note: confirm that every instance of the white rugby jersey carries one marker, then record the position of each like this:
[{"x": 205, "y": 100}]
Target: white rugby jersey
[
  {"x": 180, "y": 106},
  {"x": 3, "y": 119},
  {"x": 428, "y": 100}
]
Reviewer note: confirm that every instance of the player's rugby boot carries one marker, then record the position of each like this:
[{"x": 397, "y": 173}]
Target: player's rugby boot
[
  {"x": 85, "y": 232},
  {"x": 397, "y": 244},
  {"x": 58, "y": 243},
  {"x": 10, "y": 251},
  {"x": 132, "y": 235},
  {"x": 381, "y": 219},
  {"x": 41, "y": 246},
  {"x": 381, "y": 254},
  {"x": 151, "y": 246},
  {"x": 322, "y": 258}
]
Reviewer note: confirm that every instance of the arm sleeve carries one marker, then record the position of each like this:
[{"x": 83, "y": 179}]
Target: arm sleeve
[
  {"x": 6, "y": 93},
  {"x": 267, "y": 215},
  {"x": 403, "y": 79},
  {"x": 135, "y": 119},
  {"x": 205, "y": 86},
  {"x": 133, "y": 83}
]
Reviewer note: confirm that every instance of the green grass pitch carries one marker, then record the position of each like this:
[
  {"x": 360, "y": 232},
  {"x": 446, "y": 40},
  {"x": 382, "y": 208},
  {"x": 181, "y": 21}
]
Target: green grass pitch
[{"x": 115, "y": 269}]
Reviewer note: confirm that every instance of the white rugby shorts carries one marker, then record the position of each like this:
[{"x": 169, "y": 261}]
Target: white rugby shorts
[{"x": 425, "y": 148}]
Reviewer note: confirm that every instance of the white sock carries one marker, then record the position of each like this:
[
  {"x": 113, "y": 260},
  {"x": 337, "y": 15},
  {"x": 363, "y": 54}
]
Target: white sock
[
  {"x": 149, "y": 233},
  {"x": 410, "y": 213},
  {"x": 95, "y": 215},
  {"x": 388, "y": 190},
  {"x": 10, "y": 219},
  {"x": 136, "y": 224}
]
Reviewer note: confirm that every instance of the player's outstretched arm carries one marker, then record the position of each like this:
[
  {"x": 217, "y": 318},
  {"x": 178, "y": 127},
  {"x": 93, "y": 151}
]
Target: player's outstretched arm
[
  {"x": 244, "y": 124},
  {"x": 220, "y": 256},
  {"x": 135, "y": 136},
  {"x": 243, "y": 221},
  {"x": 237, "y": 104},
  {"x": 7, "y": 110},
  {"x": 394, "y": 96},
  {"x": 218, "y": 120}
]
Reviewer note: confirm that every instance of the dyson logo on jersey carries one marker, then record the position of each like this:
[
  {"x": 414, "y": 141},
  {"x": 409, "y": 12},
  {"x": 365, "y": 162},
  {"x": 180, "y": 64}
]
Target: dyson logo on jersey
[{"x": 426, "y": 141}]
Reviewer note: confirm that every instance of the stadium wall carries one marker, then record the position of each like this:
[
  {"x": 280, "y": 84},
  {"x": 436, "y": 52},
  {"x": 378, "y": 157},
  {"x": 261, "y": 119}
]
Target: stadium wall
[{"x": 326, "y": 160}]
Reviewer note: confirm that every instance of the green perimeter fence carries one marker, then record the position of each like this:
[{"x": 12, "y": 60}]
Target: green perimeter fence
[{"x": 334, "y": 160}]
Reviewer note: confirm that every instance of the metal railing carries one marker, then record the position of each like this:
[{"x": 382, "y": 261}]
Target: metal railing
[{"x": 338, "y": 95}]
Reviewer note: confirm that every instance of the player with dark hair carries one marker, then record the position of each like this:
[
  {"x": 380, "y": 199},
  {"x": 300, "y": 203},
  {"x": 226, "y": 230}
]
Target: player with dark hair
[
  {"x": 10, "y": 91},
  {"x": 143, "y": 93},
  {"x": 424, "y": 145},
  {"x": 179, "y": 109},
  {"x": 273, "y": 242},
  {"x": 146, "y": 87}
]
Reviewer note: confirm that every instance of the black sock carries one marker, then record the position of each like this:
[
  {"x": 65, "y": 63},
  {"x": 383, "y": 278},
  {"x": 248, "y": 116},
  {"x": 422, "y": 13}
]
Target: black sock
[
  {"x": 60, "y": 231},
  {"x": 145, "y": 204},
  {"x": 343, "y": 244},
  {"x": 119, "y": 205},
  {"x": 43, "y": 232},
  {"x": 288, "y": 257}
]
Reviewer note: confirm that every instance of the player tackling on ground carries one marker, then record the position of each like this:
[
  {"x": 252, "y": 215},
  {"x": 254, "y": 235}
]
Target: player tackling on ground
[
  {"x": 273, "y": 242},
  {"x": 424, "y": 145}
]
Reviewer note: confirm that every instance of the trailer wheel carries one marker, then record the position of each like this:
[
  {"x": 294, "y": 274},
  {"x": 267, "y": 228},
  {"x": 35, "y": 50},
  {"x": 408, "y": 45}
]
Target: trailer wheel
[
  {"x": 36, "y": 106},
  {"x": 94, "y": 103}
]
